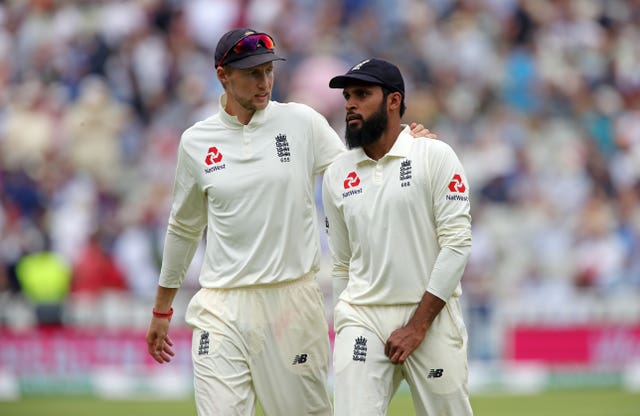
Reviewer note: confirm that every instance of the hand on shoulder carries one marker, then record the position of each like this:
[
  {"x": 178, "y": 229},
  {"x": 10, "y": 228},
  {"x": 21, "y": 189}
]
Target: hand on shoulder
[{"x": 418, "y": 130}]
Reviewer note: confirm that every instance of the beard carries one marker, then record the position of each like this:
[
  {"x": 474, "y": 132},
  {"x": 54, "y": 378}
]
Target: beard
[{"x": 370, "y": 131}]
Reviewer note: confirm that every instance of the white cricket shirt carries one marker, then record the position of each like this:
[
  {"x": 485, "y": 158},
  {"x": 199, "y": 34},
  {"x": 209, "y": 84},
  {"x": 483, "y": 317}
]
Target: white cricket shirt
[
  {"x": 398, "y": 226},
  {"x": 252, "y": 187}
]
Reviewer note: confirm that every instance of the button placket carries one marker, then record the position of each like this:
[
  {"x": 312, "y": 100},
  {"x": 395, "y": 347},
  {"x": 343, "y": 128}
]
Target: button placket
[
  {"x": 377, "y": 173},
  {"x": 247, "y": 147}
]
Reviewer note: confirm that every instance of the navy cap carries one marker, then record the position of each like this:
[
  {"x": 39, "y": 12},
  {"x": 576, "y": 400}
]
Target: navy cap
[
  {"x": 249, "y": 57},
  {"x": 375, "y": 71}
]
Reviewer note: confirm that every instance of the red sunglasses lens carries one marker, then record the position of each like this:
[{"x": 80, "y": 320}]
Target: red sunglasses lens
[
  {"x": 252, "y": 42},
  {"x": 249, "y": 44}
]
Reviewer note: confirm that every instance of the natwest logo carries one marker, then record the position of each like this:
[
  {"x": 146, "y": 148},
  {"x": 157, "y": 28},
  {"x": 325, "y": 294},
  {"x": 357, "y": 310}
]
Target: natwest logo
[
  {"x": 213, "y": 159},
  {"x": 352, "y": 180},
  {"x": 456, "y": 184},
  {"x": 214, "y": 156}
]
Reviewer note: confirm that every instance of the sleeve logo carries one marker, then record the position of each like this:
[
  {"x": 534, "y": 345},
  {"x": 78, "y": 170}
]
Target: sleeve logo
[
  {"x": 457, "y": 187},
  {"x": 456, "y": 184}
]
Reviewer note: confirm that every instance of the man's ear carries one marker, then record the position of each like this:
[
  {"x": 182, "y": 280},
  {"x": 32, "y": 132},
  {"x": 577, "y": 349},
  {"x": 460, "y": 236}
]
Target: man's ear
[
  {"x": 222, "y": 74},
  {"x": 394, "y": 100}
]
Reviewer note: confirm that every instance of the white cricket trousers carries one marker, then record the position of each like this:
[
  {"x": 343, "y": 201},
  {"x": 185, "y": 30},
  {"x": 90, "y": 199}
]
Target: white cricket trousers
[
  {"x": 268, "y": 342},
  {"x": 365, "y": 380}
]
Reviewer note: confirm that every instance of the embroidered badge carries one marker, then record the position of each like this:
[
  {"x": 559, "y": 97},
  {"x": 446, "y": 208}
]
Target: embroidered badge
[
  {"x": 203, "y": 348},
  {"x": 405, "y": 173},
  {"x": 282, "y": 148},
  {"x": 360, "y": 349}
]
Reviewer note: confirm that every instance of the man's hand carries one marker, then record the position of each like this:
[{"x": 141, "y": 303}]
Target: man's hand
[
  {"x": 402, "y": 342},
  {"x": 158, "y": 342},
  {"x": 418, "y": 130}
]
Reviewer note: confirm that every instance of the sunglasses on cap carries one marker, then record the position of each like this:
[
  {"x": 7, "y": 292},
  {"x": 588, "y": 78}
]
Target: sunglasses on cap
[{"x": 249, "y": 43}]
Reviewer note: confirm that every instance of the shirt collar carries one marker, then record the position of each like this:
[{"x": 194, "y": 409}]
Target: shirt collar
[
  {"x": 258, "y": 117},
  {"x": 402, "y": 146}
]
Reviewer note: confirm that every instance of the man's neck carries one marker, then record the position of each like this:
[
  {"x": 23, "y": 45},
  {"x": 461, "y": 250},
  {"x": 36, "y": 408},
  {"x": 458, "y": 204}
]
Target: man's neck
[
  {"x": 235, "y": 109},
  {"x": 381, "y": 147},
  {"x": 243, "y": 116}
]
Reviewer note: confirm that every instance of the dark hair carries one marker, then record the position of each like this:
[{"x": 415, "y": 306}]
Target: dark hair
[{"x": 385, "y": 93}]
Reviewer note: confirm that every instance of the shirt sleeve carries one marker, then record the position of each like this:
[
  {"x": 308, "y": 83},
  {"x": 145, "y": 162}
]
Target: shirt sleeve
[
  {"x": 187, "y": 221},
  {"x": 177, "y": 255},
  {"x": 453, "y": 221},
  {"x": 326, "y": 142},
  {"x": 338, "y": 239}
]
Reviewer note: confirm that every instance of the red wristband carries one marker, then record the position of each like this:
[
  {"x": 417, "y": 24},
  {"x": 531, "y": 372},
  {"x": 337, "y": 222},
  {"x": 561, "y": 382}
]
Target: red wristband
[{"x": 163, "y": 314}]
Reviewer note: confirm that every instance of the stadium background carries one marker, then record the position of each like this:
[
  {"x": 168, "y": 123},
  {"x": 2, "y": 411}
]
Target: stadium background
[{"x": 540, "y": 99}]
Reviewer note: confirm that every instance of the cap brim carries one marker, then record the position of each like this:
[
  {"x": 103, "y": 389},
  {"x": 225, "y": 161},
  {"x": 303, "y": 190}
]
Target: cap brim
[
  {"x": 341, "y": 80},
  {"x": 255, "y": 60}
]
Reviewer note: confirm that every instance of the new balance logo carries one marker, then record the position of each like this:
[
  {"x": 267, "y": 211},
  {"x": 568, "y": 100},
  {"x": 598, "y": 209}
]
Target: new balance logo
[
  {"x": 435, "y": 373},
  {"x": 299, "y": 359},
  {"x": 203, "y": 348},
  {"x": 360, "y": 349}
]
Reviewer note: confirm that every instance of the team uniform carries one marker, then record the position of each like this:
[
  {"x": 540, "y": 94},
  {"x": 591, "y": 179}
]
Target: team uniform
[
  {"x": 398, "y": 227},
  {"x": 259, "y": 320}
]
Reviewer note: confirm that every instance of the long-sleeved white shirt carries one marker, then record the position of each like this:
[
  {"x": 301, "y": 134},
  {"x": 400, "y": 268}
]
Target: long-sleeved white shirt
[
  {"x": 398, "y": 226},
  {"x": 252, "y": 187}
]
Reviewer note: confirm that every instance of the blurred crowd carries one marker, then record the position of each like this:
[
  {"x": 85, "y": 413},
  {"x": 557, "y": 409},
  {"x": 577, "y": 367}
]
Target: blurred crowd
[{"x": 540, "y": 99}]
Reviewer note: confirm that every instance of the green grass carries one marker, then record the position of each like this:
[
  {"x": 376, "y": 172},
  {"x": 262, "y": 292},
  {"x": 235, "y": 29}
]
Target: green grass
[{"x": 583, "y": 402}]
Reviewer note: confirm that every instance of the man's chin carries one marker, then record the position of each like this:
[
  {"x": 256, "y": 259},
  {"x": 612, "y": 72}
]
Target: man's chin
[
  {"x": 353, "y": 139},
  {"x": 354, "y": 128}
]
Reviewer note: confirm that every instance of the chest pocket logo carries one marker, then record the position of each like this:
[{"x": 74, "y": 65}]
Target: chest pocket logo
[
  {"x": 405, "y": 173},
  {"x": 282, "y": 148},
  {"x": 213, "y": 157},
  {"x": 352, "y": 180}
]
